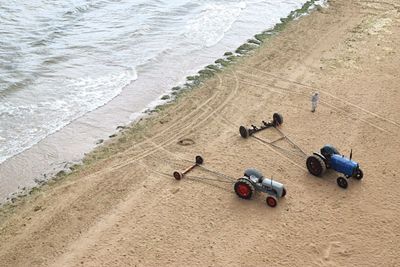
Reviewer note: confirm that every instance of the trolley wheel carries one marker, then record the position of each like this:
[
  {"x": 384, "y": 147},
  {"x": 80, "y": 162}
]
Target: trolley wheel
[
  {"x": 199, "y": 160},
  {"x": 315, "y": 165},
  {"x": 277, "y": 119},
  {"x": 359, "y": 175},
  {"x": 243, "y": 188},
  {"x": 342, "y": 182},
  {"x": 272, "y": 201},
  {"x": 178, "y": 175},
  {"x": 244, "y": 132}
]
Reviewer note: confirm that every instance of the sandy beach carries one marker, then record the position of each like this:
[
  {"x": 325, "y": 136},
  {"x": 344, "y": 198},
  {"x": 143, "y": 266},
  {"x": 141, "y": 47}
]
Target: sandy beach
[{"x": 124, "y": 208}]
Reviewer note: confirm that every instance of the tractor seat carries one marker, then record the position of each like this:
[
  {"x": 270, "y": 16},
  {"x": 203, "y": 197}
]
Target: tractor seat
[{"x": 253, "y": 172}]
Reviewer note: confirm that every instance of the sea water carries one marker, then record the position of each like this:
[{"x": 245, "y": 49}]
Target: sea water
[{"x": 72, "y": 70}]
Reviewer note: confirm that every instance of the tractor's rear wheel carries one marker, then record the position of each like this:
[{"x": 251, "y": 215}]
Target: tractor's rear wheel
[
  {"x": 277, "y": 119},
  {"x": 243, "y": 188},
  {"x": 272, "y": 201},
  {"x": 315, "y": 165},
  {"x": 342, "y": 182},
  {"x": 359, "y": 175}
]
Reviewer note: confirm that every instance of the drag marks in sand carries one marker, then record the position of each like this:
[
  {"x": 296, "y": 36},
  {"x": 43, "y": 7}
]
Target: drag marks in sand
[
  {"x": 128, "y": 209},
  {"x": 335, "y": 103}
]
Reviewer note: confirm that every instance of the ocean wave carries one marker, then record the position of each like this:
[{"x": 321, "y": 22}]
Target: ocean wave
[
  {"x": 49, "y": 113},
  {"x": 209, "y": 26}
]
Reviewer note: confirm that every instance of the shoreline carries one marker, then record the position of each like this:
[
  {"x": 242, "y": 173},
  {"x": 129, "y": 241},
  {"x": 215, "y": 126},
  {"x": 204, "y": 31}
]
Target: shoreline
[
  {"x": 124, "y": 208},
  {"x": 45, "y": 171}
]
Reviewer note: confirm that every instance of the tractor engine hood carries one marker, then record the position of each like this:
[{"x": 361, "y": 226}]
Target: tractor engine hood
[
  {"x": 343, "y": 165},
  {"x": 277, "y": 186}
]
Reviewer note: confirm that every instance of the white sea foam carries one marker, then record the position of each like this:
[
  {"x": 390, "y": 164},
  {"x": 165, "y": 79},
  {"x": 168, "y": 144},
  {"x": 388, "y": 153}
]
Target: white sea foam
[
  {"x": 208, "y": 27},
  {"x": 32, "y": 122}
]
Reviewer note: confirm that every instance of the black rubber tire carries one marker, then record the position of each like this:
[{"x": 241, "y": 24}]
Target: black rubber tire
[
  {"x": 315, "y": 165},
  {"x": 272, "y": 201},
  {"x": 342, "y": 182},
  {"x": 359, "y": 175},
  {"x": 246, "y": 183},
  {"x": 277, "y": 119},
  {"x": 177, "y": 175},
  {"x": 199, "y": 160},
  {"x": 244, "y": 132},
  {"x": 284, "y": 192}
]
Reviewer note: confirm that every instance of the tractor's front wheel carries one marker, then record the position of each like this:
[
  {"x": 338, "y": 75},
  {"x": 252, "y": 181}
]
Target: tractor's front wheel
[
  {"x": 359, "y": 175},
  {"x": 315, "y": 165},
  {"x": 243, "y": 188},
  {"x": 272, "y": 201},
  {"x": 283, "y": 192},
  {"x": 342, "y": 182}
]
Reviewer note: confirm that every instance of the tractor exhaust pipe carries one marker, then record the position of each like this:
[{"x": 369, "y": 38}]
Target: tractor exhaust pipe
[
  {"x": 351, "y": 153},
  {"x": 179, "y": 175}
]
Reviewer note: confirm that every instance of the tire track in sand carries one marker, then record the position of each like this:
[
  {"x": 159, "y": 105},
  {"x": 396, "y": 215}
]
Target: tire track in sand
[
  {"x": 91, "y": 190},
  {"x": 288, "y": 91},
  {"x": 84, "y": 243}
]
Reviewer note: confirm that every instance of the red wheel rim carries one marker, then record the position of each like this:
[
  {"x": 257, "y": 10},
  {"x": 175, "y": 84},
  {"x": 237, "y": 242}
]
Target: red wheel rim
[
  {"x": 271, "y": 201},
  {"x": 243, "y": 190}
]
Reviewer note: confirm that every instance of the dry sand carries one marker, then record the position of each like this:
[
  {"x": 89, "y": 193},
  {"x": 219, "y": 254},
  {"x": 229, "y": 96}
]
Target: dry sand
[{"x": 123, "y": 211}]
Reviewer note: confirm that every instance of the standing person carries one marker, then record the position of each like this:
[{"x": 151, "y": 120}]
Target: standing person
[{"x": 314, "y": 101}]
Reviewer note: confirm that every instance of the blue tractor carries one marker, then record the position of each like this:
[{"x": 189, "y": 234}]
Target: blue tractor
[
  {"x": 330, "y": 158},
  {"x": 253, "y": 181}
]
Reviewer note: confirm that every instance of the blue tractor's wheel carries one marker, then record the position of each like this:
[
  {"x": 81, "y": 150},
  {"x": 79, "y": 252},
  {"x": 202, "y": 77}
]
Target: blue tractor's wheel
[
  {"x": 359, "y": 175},
  {"x": 315, "y": 165},
  {"x": 243, "y": 188},
  {"x": 342, "y": 182}
]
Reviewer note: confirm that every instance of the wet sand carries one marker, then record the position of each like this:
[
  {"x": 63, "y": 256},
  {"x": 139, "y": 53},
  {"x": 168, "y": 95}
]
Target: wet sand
[{"x": 123, "y": 208}]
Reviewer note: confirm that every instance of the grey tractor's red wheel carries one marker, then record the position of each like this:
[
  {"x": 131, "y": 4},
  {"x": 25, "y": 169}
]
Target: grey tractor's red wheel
[
  {"x": 315, "y": 165},
  {"x": 342, "y": 182},
  {"x": 272, "y": 201},
  {"x": 243, "y": 188},
  {"x": 359, "y": 175},
  {"x": 277, "y": 119}
]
